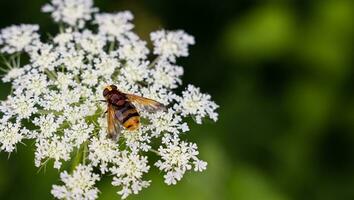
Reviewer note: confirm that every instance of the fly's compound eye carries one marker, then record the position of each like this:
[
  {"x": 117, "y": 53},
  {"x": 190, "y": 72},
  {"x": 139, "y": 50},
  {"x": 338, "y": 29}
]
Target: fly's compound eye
[
  {"x": 105, "y": 92},
  {"x": 113, "y": 87}
]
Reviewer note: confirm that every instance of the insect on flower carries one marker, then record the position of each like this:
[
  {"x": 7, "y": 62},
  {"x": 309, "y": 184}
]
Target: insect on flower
[
  {"x": 54, "y": 96},
  {"x": 121, "y": 110}
]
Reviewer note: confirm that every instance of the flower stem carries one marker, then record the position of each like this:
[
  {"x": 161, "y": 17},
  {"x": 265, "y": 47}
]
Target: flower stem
[
  {"x": 155, "y": 151},
  {"x": 51, "y": 74},
  {"x": 77, "y": 159},
  {"x": 84, "y": 153},
  {"x": 152, "y": 64},
  {"x": 111, "y": 46}
]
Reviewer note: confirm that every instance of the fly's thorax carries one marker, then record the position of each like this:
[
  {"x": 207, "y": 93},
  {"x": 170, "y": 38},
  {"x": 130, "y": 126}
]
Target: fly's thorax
[{"x": 115, "y": 97}]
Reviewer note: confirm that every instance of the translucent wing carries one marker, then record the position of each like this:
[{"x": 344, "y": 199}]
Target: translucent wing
[
  {"x": 113, "y": 123},
  {"x": 148, "y": 104}
]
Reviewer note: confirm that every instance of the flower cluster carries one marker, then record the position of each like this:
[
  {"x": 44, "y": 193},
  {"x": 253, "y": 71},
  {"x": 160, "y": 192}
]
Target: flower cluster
[
  {"x": 55, "y": 99},
  {"x": 79, "y": 185}
]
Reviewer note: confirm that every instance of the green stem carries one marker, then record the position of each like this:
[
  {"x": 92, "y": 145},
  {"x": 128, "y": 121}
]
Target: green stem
[
  {"x": 154, "y": 151},
  {"x": 7, "y": 64},
  {"x": 77, "y": 159},
  {"x": 77, "y": 79},
  {"x": 154, "y": 62},
  {"x": 3, "y": 70},
  {"x": 45, "y": 112},
  {"x": 61, "y": 27},
  {"x": 18, "y": 63},
  {"x": 111, "y": 46},
  {"x": 84, "y": 153},
  {"x": 51, "y": 74}
]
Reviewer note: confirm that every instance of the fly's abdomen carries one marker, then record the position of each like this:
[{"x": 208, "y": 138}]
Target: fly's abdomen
[{"x": 128, "y": 116}]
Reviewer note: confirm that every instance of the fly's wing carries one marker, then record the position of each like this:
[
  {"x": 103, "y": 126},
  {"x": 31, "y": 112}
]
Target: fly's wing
[
  {"x": 148, "y": 104},
  {"x": 113, "y": 123}
]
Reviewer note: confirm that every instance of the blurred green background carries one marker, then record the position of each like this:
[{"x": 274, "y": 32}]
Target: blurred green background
[{"x": 282, "y": 73}]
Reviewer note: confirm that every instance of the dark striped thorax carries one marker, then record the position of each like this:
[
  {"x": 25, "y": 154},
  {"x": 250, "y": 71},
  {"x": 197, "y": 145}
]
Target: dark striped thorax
[{"x": 114, "y": 96}]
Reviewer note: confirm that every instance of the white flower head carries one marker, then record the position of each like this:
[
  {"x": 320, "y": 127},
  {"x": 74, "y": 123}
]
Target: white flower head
[
  {"x": 177, "y": 157},
  {"x": 197, "y": 104},
  {"x": 171, "y": 44},
  {"x": 135, "y": 71},
  {"x": 166, "y": 75},
  {"x": 162, "y": 122},
  {"x": 138, "y": 140},
  {"x": 33, "y": 83},
  {"x": 102, "y": 151},
  {"x": 73, "y": 60},
  {"x": 78, "y": 185},
  {"x": 13, "y": 74},
  {"x": 71, "y": 12},
  {"x": 106, "y": 65},
  {"x": 10, "y": 135},
  {"x": 18, "y": 38},
  {"x": 114, "y": 25},
  {"x": 23, "y": 106},
  {"x": 78, "y": 133},
  {"x": 57, "y": 100},
  {"x": 128, "y": 171},
  {"x": 44, "y": 57},
  {"x": 48, "y": 125},
  {"x": 90, "y": 42},
  {"x": 132, "y": 49},
  {"x": 56, "y": 148},
  {"x": 64, "y": 38}
]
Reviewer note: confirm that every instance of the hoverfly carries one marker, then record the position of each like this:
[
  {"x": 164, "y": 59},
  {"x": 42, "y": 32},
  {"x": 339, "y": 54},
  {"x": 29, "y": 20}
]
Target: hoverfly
[{"x": 121, "y": 110}]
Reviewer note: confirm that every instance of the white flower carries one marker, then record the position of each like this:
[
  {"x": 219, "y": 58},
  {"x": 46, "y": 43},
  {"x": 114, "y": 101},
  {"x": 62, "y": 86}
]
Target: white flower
[
  {"x": 106, "y": 65},
  {"x": 177, "y": 157},
  {"x": 57, "y": 99},
  {"x": 64, "y": 80},
  {"x": 73, "y": 61},
  {"x": 53, "y": 101},
  {"x": 10, "y": 135},
  {"x": 172, "y": 177},
  {"x": 78, "y": 186},
  {"x": 200, "y": 165},
  {"x": 138, "y": 140},
  {"x": 157, "y": 93},
  {"x": 45, "y": 57},
  {"x": 75, "y": 113},
  {"x": 71, "y": 12},
  {"x": 48, "y": 125},
  {"x": 114, "y": 25},
  {"x": 135, "y": 71},
  {"x": 33, "y": 82},
  {"x": 22, "y": 106},
  {"x": 18, "y": 38},
  {"x": 128, "y": 171},
  {"x": 57, "y": 148},
  {"x": 90, "y": 77},
  {"x": 171, "y": 44},
  {"x": 78, "y": 133},
  {"x": 13, "y": 74},
  {"x": 132, "y": 49},
  {"x": 195, "y": 103},
  {"x": 166, "y": 75},
  {"x": 90, "y": 42},
  {"x": 167, "y": 122},
  {"x": 102, "y": 151},
  {"x": 64, "y": 38}
]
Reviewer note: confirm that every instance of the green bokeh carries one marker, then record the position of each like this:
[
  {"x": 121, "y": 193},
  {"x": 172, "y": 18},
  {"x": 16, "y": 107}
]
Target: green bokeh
[{"x": 282, "y": 73}]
